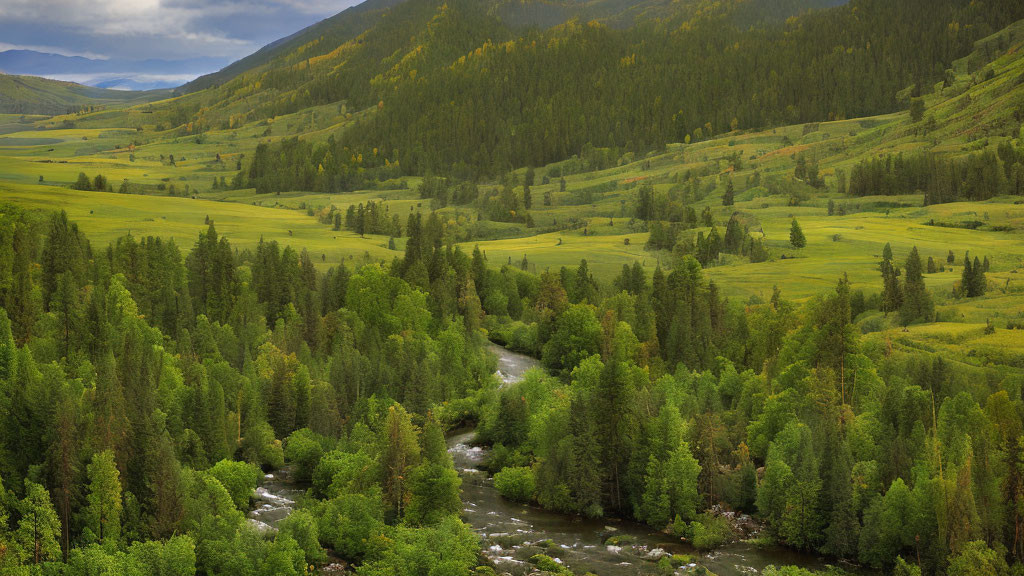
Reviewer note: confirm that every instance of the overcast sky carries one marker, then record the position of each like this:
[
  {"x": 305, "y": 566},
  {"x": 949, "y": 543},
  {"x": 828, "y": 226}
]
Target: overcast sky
[{"x": 166, "y": 29}]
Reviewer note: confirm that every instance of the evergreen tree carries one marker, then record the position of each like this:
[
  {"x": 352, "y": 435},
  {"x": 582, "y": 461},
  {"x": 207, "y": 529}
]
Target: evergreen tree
[
  {"x": 978, "y": 284},
  {"x": 917, "y": 302},
  {"x": 102, "y": 515},
  {"x": 39, "y": 528},
  {"x": 892, "y": 291},
  {"x": 796, "y": 235},
  {"x": 399, "y": 456},
  {"x": 83, "y": 183},
  {"x": 434, "y": 484}
]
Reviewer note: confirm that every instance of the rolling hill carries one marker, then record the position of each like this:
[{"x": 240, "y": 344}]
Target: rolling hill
[
  {"x": 476, "y": 89},
  {"x": 33, "y": 95}
]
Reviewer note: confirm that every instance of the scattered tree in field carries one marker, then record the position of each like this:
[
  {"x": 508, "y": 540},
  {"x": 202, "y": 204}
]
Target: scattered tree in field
[
  {"x": 972, "y": 281},
  {"x": 916, "y": 302},
  {"x": 892, "y": 290},
  {"x": 83, "y": 182},
  {"x": 796, "y": 235}
]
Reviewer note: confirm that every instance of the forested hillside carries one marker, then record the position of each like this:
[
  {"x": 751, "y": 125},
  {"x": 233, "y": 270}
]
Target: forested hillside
[
  {"x": 454, "y": 87},
  {"x": 31, "y": 95},
  {"x": 767, "y": 256}
]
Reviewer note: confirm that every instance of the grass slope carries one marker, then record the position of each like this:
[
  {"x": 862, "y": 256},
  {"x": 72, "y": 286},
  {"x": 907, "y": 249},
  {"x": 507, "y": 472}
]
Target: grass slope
[
  {"x": 974, "y": 112},
  {"x": 32, "y": 95}
]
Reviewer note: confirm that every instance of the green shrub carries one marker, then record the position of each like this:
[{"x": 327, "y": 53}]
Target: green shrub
[
  {"x": 239, "y": 479},
  {"x": 304, "y": 449},
  {"x": 548, "y": 564},
  {"x": 516, "y": 483},
  {"x": 709, "y": 532}
]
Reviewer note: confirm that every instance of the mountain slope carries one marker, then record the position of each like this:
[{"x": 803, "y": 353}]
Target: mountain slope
[
  {"x": 464, "y": 87},
  {"x": 33, "y": 95},
  {"x": 110, "y": 73},
  {"x": 328, "y": 33}
]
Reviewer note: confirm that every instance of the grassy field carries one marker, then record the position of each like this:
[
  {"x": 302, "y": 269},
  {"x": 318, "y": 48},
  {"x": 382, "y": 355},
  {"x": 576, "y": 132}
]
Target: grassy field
[
  {"x": 41, "y": 156},
  {"x": 105, "y": 216}
]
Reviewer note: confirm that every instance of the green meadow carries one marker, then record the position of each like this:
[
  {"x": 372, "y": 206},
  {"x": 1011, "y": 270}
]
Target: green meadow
[{"x": 593, "y": 217}]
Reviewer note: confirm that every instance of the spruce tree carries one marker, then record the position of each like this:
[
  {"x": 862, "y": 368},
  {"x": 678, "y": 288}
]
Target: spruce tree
[
  {"x": 917, "y": 302},
  {"x": 796, "y": 235},
  {"x": 966, "y": 278},
  {"x": 39, "y": 528},
  {"x": 400, "y": 454},
  {"x": 102, "y": 514},
  {"x": 434, "y": 484},
  {"x": 892, "y": 294},
  {"x": 979, "y": 283}
]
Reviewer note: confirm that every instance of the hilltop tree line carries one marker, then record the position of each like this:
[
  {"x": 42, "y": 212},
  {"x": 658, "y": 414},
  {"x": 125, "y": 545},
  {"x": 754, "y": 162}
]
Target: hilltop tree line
[
  {"x": 326, "y": 167},
  {"x": 978, "y": 176}
]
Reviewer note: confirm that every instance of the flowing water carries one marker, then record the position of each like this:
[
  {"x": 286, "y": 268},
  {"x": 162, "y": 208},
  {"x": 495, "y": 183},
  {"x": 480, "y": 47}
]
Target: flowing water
[
  {"x": 274, "y": 500},
  {"x": 512, "y": 533}
]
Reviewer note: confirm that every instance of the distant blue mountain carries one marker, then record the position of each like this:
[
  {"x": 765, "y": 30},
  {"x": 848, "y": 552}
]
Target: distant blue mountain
[{"x": 115, "y": 73}]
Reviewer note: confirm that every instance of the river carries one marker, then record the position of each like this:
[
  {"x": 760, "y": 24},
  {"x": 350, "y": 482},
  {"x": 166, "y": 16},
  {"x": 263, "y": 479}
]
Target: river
[{"x": 511, "y": 533}]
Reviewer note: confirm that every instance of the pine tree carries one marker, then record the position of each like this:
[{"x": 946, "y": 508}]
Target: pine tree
[
  {"x": 978, "y": 282},
  {"x": 434, "y": 484},
  {"x": 966, "y": 278},
  {"x": 796, "y": 235},
  {"x": 164, "y": 483},
  {"x": 83, "y": 183},
  {"x": 63, "y": 458},
  {"x": 972, "y": 281},
  {"x": 39, "y": 528},
  {"x": 102, "y": 514},
  {"x": 65, "y": 250},
  {"x": 841, "y": 535},
  {"x": 400, "y": 454},
  {"x": 917, "y": 302},
  {"x": 892, "y": 294},
  {"x": 728, "y": 199}
]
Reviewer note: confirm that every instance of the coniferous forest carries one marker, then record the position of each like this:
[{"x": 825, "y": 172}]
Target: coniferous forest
[
  {"x": 526, "y": 288},
  {"x": 145, "y": 386},
  {"x": 473, "y": 97}
]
